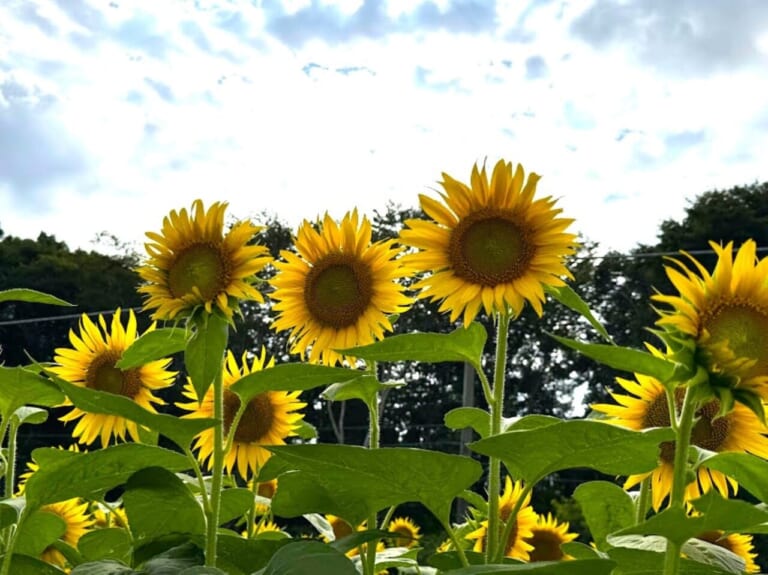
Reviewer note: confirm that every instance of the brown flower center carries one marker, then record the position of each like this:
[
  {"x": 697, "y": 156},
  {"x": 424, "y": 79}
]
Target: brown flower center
[
  {"x": 738, "y": 329},
  {"x": 546, "y": 546},
  {"x": 490, "y": 247},
  {"x": 257, "y": 419},
  {"x": 199, "y": 266},
  {"x": 708, "y": 433},
  {"x": 338, "y": 290},
  {"x": 511, "y": 540},
  {"x": 341, "y": 528},
  {"x": 102, "y": 375}
]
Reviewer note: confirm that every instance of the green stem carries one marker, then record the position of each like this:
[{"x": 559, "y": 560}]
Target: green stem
[
  {"x": 10, "y": 463},
  {"x": 200, "y": 480},
  {"x": 251, "y": 516},
  {"x": 496, "y": 408},
  {"x": 511, "y": 522},
  {"x": 486, "y": 385},
  {"x": 5, "y": 569},
  {"x": 456, "y": 543},
  {"x": 373, "y": 443},
  {"x": 387, "y": 518},
  {"x": 677, "y": 498},
  {"x": 217, "y": 472},
  {"x": 643, "y": 500}
]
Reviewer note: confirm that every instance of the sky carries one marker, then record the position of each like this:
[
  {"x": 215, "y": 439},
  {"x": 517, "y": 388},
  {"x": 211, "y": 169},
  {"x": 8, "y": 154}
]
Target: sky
[{"x": 113, "y": 113}]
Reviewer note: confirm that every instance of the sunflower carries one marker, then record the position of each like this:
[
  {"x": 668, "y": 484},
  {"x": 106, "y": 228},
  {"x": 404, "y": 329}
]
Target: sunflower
[
  {"x": 338, "y": 289},
  {"x": 646, "y": 406},
  {"x": 268, "y": 419},
  {"x": 91, "y": 363},
  {"x": 193, "y": 263},
  {"x": 265, "y": 489},
  {"x": 489, "y": 244},
  {"x": 548, "y": 536},
  {"x": 404, "y": 526},
  {"x": 516, "y": 545},
  {"x": 109, "y": 516},
  {"x": 737, "y": 543},
  {"x": 726, "y": 313},
  {"x": 73, "y": 512},
  {"x": 261, "y": 527}
]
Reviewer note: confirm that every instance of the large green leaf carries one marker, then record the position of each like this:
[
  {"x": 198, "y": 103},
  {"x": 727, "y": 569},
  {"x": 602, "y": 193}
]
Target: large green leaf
[
  {"x": 235, "y": 502},
  {"x": 238, "y": 556},
  {"x": 717, "y": 514},
  {"x": 109, "y": 543},
  {"x": 174, "y": 560},
  {"x": 577, "y": 567},
  {"x": 627, "y": 359},
  {"x": 749, "y": 470},
  {"x": 203, "y": 570},
  {"x": 158, "y": 503},
  {"x": 606, "y": 508},
  {"x": 644, "y": 562},
  {"x": 37, "y": 531},
  {"x": 31, "y": 296},
  {"x": 462, "y": 344},
  {"x": 20, "y": 386},
  {"x": 570, "y": 299},
  {"x": 204, "y": 354},
  {"x": 534, "y": 453},
  {"x": 105, "y": 567},
  {"x": 152, "y": 346},
  {"x": 290, "y": 377},
  {"x": 354, "y": 482},
  {"x": 308, "y": 558},
  {"x": 89, "y": 475},
  {"x": 180, "y": 431}
]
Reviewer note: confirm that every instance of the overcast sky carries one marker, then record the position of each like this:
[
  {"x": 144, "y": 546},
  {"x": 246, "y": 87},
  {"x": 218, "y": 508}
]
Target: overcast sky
[{"x": 114, "y": 112}]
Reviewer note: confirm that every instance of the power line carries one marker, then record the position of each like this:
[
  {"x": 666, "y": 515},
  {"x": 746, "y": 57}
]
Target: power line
[{"x": 66, "y": 316}]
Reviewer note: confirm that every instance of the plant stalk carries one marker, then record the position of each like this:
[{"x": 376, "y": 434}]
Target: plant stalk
[
  {"x": 373, "y": 443},
  {"x": 10, "y": 463},
  {"x": 496, "y": 408},
  {"x": 217, "y": 472}
]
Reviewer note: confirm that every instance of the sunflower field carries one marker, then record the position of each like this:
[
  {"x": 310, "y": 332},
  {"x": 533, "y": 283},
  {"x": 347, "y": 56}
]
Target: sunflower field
[{"x": 234, "y": 481}]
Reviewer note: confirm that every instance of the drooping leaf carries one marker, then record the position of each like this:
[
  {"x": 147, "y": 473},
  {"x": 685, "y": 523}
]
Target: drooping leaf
[
  {"x": 108, "y": 543},
  {"x": 152, "y": 346},
  {"x": 572, "y": 300},
  {"x": 353, "y": 482},
  {"x": 158, "y": 503},
  {"x": 89, "y": 475},
  {"x": 30, "y": 415},
  {"x": 534, "y": 453},
  {"x": 290, "y": 377},
  {"x": 204, "y": 353},
  {"x": 20, "y": 386},
  {"x": 606, "y": 507},
  {"x": 478, "y": 419},
  {"x": 643, "y": 562},
  {"x": 235, "y": 502},
  {"x": 37, "y": 531},
  {"x": 32, "y": 296},
  {"x": 364, "y": 388},
  {"x": 10, "y": 510},
  {"x": 308, "y": 558},
  {"x": 180, "y": 431},
  {"x": 462, "y": 344},
  {"x": 626, "y": 359},
  {"x": 713, "y": 555}
]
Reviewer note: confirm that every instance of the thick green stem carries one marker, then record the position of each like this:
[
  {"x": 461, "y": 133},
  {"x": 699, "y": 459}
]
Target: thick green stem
[
  {"x": 373, "y": 443},
  {"x": 677, "y": 497},
  {"x": 511, "y": 521},
  {"x": 5, "y": 569},
  {"x": 496, "y": 408},
  {"x": 217, "y": 472},
  {"x": 10, "y": 463},
  {"x": 643, "y": 500}
]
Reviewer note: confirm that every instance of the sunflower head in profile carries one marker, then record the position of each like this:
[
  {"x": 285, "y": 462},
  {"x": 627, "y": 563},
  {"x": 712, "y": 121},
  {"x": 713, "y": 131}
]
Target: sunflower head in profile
[
  {"x": 265, "y": 529},
  {"x": 265, "y": 489},
  {"x": 516, "y": 546},
  {"x": 548, "y": 536},
  {"x": 337, "y": 290},
  {"x": 411, "y": 533},
  {"x": 269, "y": 418},
  {"x": 193, "y": 263},
  {"x": 489, "y": 244},
  {"x": 737, "y": 543},
  {"x": 726, "y": 313},
  {"x": 112, "y": 516},
  {"x": 645, "y": 405},
  {"x": 90, "y": 362}
]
